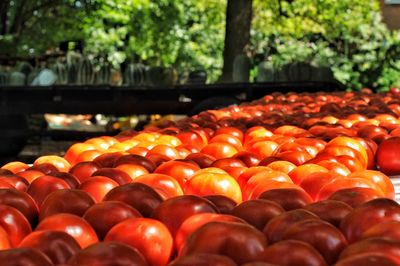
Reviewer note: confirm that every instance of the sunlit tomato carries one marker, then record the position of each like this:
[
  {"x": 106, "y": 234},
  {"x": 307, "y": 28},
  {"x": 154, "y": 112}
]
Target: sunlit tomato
[
  {"x": 4, "y": 241},
  {"x": 104, "y": 215},
  {"x": 379, "y": 179},
  {"x": 293, "y": 252},
  {"x": 228, "y": 162},
  {"x": 170, "y": 152},
  {"x": 17, "y": 182},
  {"x": 288, "y": 198},
  {"x": 210, "y": 170},
  {"x": 30, "y": 175},
  {"x": 138, "y": 151},
  {"x": 98, "y": 186},
  {"x": 45, "y": 168},
  {"x": 355, "y": 196},
  {"x": 257, "y": 212},
  {"x": 60, "y": 163},
  {"x": 24, "y": 256},
  {"x": 323, "y": 236},
  {"x": 5, "y": 172},
  {"x": 71, "y": 201},
  {"x": 317, "y": 143},
  {"x": 202, "y": 159},
  {"x": 193, "y": 138},
  {"x": 125, "y": 145},
  {"x": 389, "y": 230},
  {"x": 71, "y": 224},
  {"x": 295, "y": 157},
  {"x": 107, "y": 159},
  {"x": 282, "y": 166},
  {"x": 14, "y": 223},
  {"x": 226, "y": 138},
  {"x": 108, "y": 253},
  {"x": 165, "y": 185},
  {"x": 335, "y": 167},
  {"x": 15, "y": 166},
  {"x": 233, "y": 171},
  {"x": 145, "y": 234},
  {"x": 41, "y": 187},
  {"x": 313, "y": 182},
  {"x": 58, "y": 246},
  {"x": 367, "y": 215},
  {"x": 268, "y": 185},
  {"x": 115, "y": 174},
  {"x": 199, "y": 259},
  {"x": 233, "y": 131},
  {"x": 181, "y": 171},
  {"x": 20, "y": 201},
  {"x": 220, "y": 150},
  {"x": 100, "y": 143},
  {"x": 132, "y": 170},
  {"x": 136, "y": 160},
  {"x": 276, "y": 227},
  {"x": 245, "y": 242},
  {"x": 262, "y": 148},
  {"x": 70, "y": 179},
  {"x": 173, "y": 212},
  {"x": 289, "y": 130},
  {"x": 249, "y": 172},
  {"x": 185, "y": 150},
  {"x": 249, "y": 158},
  {"x": 87, "y": 156},
  {"x": 299, "y": 173},
  {"x": 387, "y": 156},
  {"x": 213, "y": 184},
  {"x": 352, "y": 143},
  {"x": 224, "y": 204},
  {"x": 368, "y": 259},
  {"x": 332, "y": 211},
  {"x": 378, "y": 245},
  {"x": 5, "y": 185},
  {"x": 84, "y": 170},
  {"x": 138, "y": 195}
]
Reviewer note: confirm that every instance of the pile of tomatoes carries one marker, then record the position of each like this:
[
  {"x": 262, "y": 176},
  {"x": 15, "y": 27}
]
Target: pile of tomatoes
[{"x": 290, "y": 179}]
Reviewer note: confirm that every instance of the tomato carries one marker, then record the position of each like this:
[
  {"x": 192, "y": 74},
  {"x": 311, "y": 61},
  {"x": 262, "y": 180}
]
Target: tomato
[
  {"x": 220, "y": 150},
  {"x": 240, "y": 242},
  {"x": 71, "y": 201},
  {"x": 288, "y": 198},
  {"x": 387, "y": 156},
  {"x": 268, "y": 185},
  {"x": 15, "y": 167},
  {"x": 249, "y": 158},
  {"x": 224, "y": 204},
  {"x": 262, "y": 148},
  {"x": 249, "y": 172},
  {"x": 276, "y": 227},
  {"x": 45, "y": 168},
  {"x": 15, "y": 181},
  {"x": 24, "y": 256},
  {"x": 40, "y": 188},
  {"x": 30, "y": 175},
  {"x": 181, "y": 171},
  {"x": 378, "y": 178},
  {"x": 115, "y": 174},
  {"x": 263, "y": 177},
  {"x": 378, "y": 245},
  {"x": 20, "y": 201},
  {"x": 138, "y": 151},
  {"x": 71, "y": 224},
  {"x": 299, "y": 173},
  {"x": 58, "y": 246},
  {"x": 202, "y": 159},
  {"x": 355, "y": 196},
  {"x": 338, "y": 142},
  {"x": 332, "y": 211},
  {"x": 4, "y": 240},
  {"x": 104, "y": 215},
  {"x": 228, "y": 162},
  {"x": 107, "y": 159},
  {"x": 108, "y": 253},
  {"x": 282, "y": 166},
  {"x": 323, "y": 236},
  {"x": 335, "y": 167},
  {"x": 70, "y": 179},
  {"x": 313, "y": 183},
  {"x": 193, "y": 138},
  {"x": 293, "y": 252},
  {"x": 89, "y": 155},
  {"x": 233, "y": 131},
  {"x": 389, "y": 230},
  {"x": 296, "y": 157},
  {"x": 200, "y": 259},
  {"x": 165, "y": 185},
  {"x": 132, "y": 170},
  {"x": 161, "y": 149},
  {"x": 98, "y": 187},
  {"x": 353, "y": 164},
  {"x": 138, "y": 195},
  {"x": 368, "y": 259},
  {"x": 150, "y": 237},
  {"x": 60, "y": 163},
  {"x": 84, "y": 170},
  {"x": 367, "y": 215},
  {"x": 14, "y": 223}
]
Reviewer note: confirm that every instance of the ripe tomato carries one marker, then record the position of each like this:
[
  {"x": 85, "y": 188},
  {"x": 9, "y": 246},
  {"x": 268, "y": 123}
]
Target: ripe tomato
[
  {"x": 228, "y": 162},
  {"x": 166, "y": 186},
  {"x": 378, "y": 178},
  {"x": 14, "y": 223},
  {"x": 299, "y": 173},
  {"x": 115, "y": 174},
  {"x": 60, "y": 163},
  {"x": 226, "y": 138},
  {"x": 30, "y": 175},
  {"x": 202, "y": 159},
  {"x": 132, "y": 170},
  {"x": 268, "y": 185},
  {"x": 181, "y": 171},
  {"x": 15, "y": 181},
  {"x": 355, "y": 196},
  {"x": 219, "y": 150},
  {"x": 313, "y": 183},
  {"x": 368, "y": 259},
  {"x": 4, "y": 240},
  {"x": 58, "y": 246},
  {"x": 199, "y": 259},
  {"x": 108, "y": 253},
  {"x": 71, "y": 224},
  {"x": 144, "y": 234},
  {"x": 84, "y": 170},
  {"x": 288, "y": 198},
  {"x": 45, "y": 168},
  {"x": 249, "y": 172},
  {"x": 40, "y": 188},
  {"x": 224, "y": 204},
  {"x": 136, "y": 160},
  {"x": 240, "y": 242},
  {"x": 24, "y": 256},
  {"x": 89, "y": 155},
  {"x": 332, "y": 211},
  {"x": 335, "y": 167},
  {"x": 15, "y": 167},
  {"x": 107, "y": 159},
  {"x": 296, "y": 157},
  {"x": 161, "y": 149},
  {"x": 387, "y": 156},
  {"x": 282, "y": 166},
  {"x": 233, "y": 131},
  {"x": 249, "y": 158},
  {"x": 262, "y": 148},
  {"x": 389, "y": 230},
  {"x": 98, "y": 187},
  {"x": 20, "y": 201}
]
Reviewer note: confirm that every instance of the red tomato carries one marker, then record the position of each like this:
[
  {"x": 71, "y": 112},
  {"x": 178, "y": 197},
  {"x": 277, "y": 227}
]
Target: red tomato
[
  {"x": 71, "y": 224},
  {"x": 45, "y": 168},
  {"x": 335, "y": 167},
  {"x": 181, "y": 171},
  {"x": 108, "y": 253},
  {"x": 84, "y": 170},
  {"x": 165, "y": 185},
  {"x": 132, "y": 170},
  {"x": 368, "y": 259},
  {"x": 60, "y": 163},
  {"x": 288, "y": 198},
  {"x": 268, "y": 185},
  {"x": 43, "y": 186},
  {"x": 202, "y": 159},
  {"x": 389, "y": 230},
  {"x": 20, "y": 201},
  {"x": 355, "y": 196},
  {"x": 233, "y": 131},
  {"x": 246, "y": 243},
  {"x": 379, "y": 179},
  {"x": 58, "y": 246},
  {"x": 257, "y": 212},
  {"x": 200, "y": 259},
  {"x": 229, "y": 139},
  {"x": 228, "y": 162},
  {"x": 313, "y": 183},
  {"x": 301, "y": 172},
  {"x": 98, "y": 187},
  {"x": 15, "y": 181},
  {"x": 137, "y": 160},
  {"x": 71, "y": 201},
  {"x": 220, "y": 150},
  {"x": 30, "y": 175},
  {"x": 332, "y": 211},
  {"x": 282, "y": 166},
  {"x": 145, "y": 234},
  {"x": 169, "y": 152},
  {"x": 14, "y": 223},
  {"x": 104, "y": 215},
  {"x": 138, "y": 195},
  {"x": 387, "y": 157},
  {"x": 24, "y": 256},
  {"x": 106, "y": 159},
  {"x": 70, "y": 179},
  {"x": 249, "y": 172},
  {"x": 367, "y": 215},
  {"x": 4, "y": 241},
  {"x": 293, "y": 252},
  {"x": 249, "y": 158},
  {"x": 15, "y": 167},
  {"x": 224, "y": 204},
  {"x": 115, "y": 174},
  {"x": 262, "y": 148}
]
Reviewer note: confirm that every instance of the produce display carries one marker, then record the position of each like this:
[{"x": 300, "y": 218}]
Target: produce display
[{"x": 289, "y": 179}]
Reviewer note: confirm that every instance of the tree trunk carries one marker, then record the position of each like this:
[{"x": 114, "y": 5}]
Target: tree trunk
[{"x": 237, "y": 33}]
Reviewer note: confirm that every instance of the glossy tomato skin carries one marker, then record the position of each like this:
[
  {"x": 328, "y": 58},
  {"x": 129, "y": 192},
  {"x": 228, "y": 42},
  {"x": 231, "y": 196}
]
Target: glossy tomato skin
[
  {"x": 354, "y": 196},
  {"x": 104, "y": 215},
  {"x": 115, "y": 174},
  {"x": 288, "y": 198},
  {"x": 14, "y": 224},
  {"x": 331, "y": 211},
  {"x": 72, "y": 201},
  {"x": 367, "y": 215},
  {"x": 165, "y": 185},
  {"x": 201, "y": 259},
  {"x": 390, "y": 230},
  {"x": 71, "y": 224},
  {"x": 173, "y": 212},
  {"x": 40, "y": 188},
  {"x": 224, "y": 204},
  {"x": 58, "y": 246},
  {"x": 4, "y": 240},
  {"x": 70, "y": 179},
  {"x": 24, "y": 256},
  {"x": 257, "y": 212},
  {"x": 98, "y": 186},
  {"x": 17, "y": 182},
  {"x": 367, "y": 259},
  {"x": 108, "y": 253},
  {"x": 387, "y": 157},
  {"x": 136, "y": 159},
  {"x": 240, "y": 242},
  {"x": 323, "y": 236},
  {"x": 145, "y": 234},
  {"x": 140, "y": 196},
  {"x": 202, "y": 159},
  {"x": 84, "y": 170},
  {"x": 293, "y": 252},
  {"x": 22, "y": 202}
]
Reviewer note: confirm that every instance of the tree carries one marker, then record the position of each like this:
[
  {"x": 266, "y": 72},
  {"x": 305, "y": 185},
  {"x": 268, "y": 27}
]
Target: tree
[{"x": 237, "y": 34}]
